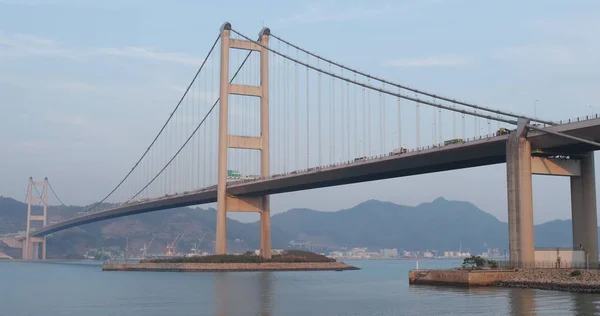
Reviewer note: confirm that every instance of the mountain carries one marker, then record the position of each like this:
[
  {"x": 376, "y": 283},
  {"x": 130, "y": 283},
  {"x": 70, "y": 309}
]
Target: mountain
[
  {"x": 442, "y": 225},
  {"x": 135, "y": 231}
]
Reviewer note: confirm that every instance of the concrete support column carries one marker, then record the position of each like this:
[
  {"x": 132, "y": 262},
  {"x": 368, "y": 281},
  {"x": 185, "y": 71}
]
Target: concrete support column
[
  {"x": 520, "y": 199},
  {"x": 221, "y": 231},
  {"x": 265, "y": 229},
  {"x": 583, "y": 210},
  {"x": 36, "y": 251},
  {"x": 44, "y": 249},
  {"x": 265, "y": 214}
]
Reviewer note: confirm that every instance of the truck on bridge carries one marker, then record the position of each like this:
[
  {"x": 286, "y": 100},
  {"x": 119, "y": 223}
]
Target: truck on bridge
[{"x": 453, "y": 141}]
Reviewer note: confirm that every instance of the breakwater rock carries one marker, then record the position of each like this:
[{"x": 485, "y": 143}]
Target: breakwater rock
[{"x": 588, "y": 281}]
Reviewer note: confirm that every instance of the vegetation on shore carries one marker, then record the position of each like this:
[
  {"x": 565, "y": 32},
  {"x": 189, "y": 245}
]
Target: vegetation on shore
[
  {"x": 288, "y": 256},
  {"x": 477, "y": 262}
]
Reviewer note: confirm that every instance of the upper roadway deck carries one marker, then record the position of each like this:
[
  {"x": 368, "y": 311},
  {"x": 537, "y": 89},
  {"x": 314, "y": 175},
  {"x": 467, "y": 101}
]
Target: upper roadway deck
[{"x": 480, "y": 152}]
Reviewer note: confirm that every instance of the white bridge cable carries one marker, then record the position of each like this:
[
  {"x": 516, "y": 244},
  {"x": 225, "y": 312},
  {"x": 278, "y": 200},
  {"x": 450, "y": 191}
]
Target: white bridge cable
[
  {"x": 194, "y": 132},
  {"x": 415, "y": 99},
  {"x": 54, "y": 193},
  {"x": 474, "y": 106},
  {"x": 162, "y": 128}
]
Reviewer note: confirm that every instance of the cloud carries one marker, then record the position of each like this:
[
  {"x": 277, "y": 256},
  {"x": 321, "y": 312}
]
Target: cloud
[
  {"x": 75, "y": 87},
  {"x": 75, "y": 120},
  {"x": 19, "y": 45},
  {"x": 15, "y": 45},
  {"x": 111, "y": 4},
  {"x": 559, "y": 41},
  {"x": 332, "y": 12},
  {"x": 553, "y": 54},
  {"x": 440, "y": 61},
  {"x": 37, "y": 145},
  {"x": 147, "y": 53}
]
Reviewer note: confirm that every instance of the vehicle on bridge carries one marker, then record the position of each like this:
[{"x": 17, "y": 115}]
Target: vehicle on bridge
[
  {"x": 398, "y": 151},
  {"x": 453, "y": 141},
  {"x": 360, "y": 159},
  {"x": 233, "y": 174},
  {"x": 502, "y": 131},
  {"x": 536, "y": 152}
]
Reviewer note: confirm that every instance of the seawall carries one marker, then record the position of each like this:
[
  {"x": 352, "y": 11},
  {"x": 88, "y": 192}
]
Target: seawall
[
  {"x": 458, "y": 277},
  {"x": 554, "y": 279},
  {"x": 545, "y": 279},
  {"x": 230, "y": 267}
]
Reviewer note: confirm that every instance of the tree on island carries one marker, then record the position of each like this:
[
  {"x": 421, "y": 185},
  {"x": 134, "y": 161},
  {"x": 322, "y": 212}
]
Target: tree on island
[{"x": 479, "y": 262}]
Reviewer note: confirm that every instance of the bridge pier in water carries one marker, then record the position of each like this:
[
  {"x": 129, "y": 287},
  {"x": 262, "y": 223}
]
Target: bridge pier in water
[
  {"x": 583, "y": 209},
  {"x": 225, "y": 202},
  {"x": 520, "y": 166}
]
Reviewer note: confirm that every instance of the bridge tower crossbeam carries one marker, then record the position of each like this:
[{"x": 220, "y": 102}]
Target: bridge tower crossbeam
[
  {"x": 31, "y": 245},
  {"x": 226, "y": 202}
]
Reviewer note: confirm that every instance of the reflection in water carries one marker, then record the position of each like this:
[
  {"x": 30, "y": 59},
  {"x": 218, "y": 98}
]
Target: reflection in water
[
  {"x": 248, "y": 293},
  {"x": 585, "y": 304},
  {"x": 522, "y": 302}
]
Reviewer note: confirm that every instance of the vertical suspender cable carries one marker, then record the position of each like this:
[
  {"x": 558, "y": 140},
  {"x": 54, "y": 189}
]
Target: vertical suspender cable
[
  {"x": 319, "y": 109},
  {"x": 307, "y": 116},
  {"x": 348, "y": 133},
  {"x": 342, "y": 112},
  {"x": 297, "y": 106},
  {"x": 399, "y": 123},
  {"x": 418, "y": 126}
]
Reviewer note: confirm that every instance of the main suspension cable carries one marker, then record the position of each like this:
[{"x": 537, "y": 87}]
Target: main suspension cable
[
  {"x": 472, "y": 113},
  {"x": 162, "y": 128},
  {"x": 195, "y": 130},
  {"x": 478, "y": 107},
  {"x": 54, "y": 193}
]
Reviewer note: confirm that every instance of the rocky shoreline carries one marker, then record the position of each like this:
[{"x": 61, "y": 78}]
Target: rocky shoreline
[
  {"x": 230, "y": 267},
  {"x": 554, "y": 279}
]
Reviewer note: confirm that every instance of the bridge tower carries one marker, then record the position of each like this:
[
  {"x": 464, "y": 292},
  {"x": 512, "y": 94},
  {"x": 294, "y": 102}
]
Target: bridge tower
[
  {"x": 31, "y": 245},
  {"x": 225, "y": 202},
  {"x": 520, "y": 166}
]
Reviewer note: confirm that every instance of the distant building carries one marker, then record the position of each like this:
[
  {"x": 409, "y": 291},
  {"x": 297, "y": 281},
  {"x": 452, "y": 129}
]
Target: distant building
[{"x": 389, "y": 253}]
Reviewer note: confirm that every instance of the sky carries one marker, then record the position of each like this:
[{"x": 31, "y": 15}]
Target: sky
[{"x": 85, "y": 84}]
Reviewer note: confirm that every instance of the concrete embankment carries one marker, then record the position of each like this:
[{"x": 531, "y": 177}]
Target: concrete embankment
[
  {"x": 230, "y": 267},
  {"x": 554, "y": 279},
  {"x": 546, "y": 279},
  {"x": 458, "y": 277}
]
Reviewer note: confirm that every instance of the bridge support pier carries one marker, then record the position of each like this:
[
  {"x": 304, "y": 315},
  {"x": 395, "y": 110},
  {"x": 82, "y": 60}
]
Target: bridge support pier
[
  {"x": 520, "y": 198},
  {"x": 520, "y": 166},
  {"x": 225, "y": 202},
  {"x": 583, "y": 209}
]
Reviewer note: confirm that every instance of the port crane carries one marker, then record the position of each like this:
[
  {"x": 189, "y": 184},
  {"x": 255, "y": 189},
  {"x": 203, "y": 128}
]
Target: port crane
[
  {"x": 171, "y": 247},
  {"x": 196, "y": 248},
  {"x": 144, "y": 249}
]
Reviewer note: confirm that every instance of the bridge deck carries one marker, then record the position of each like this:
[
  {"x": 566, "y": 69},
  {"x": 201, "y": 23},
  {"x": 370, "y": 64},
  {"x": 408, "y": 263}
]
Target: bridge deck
[{"x": 475, "y": 153}]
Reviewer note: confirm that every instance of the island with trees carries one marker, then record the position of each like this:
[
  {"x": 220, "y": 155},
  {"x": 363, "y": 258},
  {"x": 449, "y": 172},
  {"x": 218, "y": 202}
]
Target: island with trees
[{"x": 289, "y": 260}]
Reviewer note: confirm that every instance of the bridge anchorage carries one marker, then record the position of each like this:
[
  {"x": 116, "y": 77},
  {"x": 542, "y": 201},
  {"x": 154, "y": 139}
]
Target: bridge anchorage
[{"x": 294, "y": 122}]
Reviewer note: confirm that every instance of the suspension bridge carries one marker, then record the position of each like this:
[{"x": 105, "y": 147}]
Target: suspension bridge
[{"x": 265, "y": 116}]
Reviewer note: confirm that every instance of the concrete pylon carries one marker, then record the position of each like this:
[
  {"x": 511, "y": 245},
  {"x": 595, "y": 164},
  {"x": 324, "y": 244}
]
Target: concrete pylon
[
  {"x": 31, "y": 245},
  {"x": 225, "y": 202},
  {"x": 520, "y": 197},
  {"x": 583, "y": 210}
]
